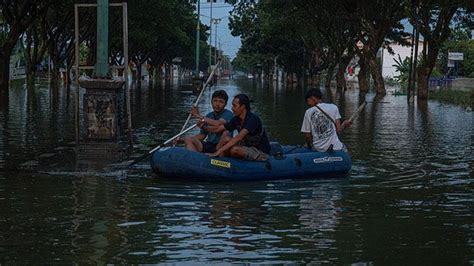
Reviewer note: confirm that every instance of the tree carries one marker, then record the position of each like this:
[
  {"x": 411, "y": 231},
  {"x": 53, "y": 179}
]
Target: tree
[
  {"x": 465, "y": 46},
  {"x": 269, "y": 30},
  {"x": 160, "y": 31},
  {"x": 403, "y": 68},
  {"x": 377, "y": 20},
  {"x": 337, "y": 32},
  {"x": 433, "y": 19},
  {"x": 59, "y": 27},
  {"x": 36, "y": 46},
  {"x": 17, "y": 16}
]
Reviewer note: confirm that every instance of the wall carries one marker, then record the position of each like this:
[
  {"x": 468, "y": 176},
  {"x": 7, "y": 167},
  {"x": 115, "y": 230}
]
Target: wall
[{"x": 388, "y": 60}]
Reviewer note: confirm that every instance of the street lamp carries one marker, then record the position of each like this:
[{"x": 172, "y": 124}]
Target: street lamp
[
  {"x": 216, "y": 22},
  {"x": 210, "y": 38}
]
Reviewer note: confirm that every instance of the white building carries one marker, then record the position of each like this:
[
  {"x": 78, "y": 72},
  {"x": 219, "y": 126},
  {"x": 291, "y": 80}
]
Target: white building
[{"x": 388, "y": 60}]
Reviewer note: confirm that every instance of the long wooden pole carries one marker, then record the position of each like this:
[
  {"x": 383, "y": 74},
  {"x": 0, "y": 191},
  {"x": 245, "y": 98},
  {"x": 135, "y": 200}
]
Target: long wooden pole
[
  {"x": 76, "y": 76},
  {"x": 356, "y": 114},
  {"x": 200, "y": 94},
  {"x": 161, "y": 145}
]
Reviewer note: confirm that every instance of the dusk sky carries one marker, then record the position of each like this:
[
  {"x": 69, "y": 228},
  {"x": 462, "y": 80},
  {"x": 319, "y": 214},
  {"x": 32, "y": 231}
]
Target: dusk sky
[{"x": 230, "y": 44}]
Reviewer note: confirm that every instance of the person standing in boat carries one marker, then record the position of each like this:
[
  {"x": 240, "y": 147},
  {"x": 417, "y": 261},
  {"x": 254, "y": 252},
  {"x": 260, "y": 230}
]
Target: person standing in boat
[
  {"x": 251, "y": 143},
  {"x": 207, "y": 141},
  {"x": 321, "y": 124}
]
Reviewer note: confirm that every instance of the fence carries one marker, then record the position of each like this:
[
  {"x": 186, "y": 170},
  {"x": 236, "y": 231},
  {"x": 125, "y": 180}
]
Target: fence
[{"x": 440, "y": 82}]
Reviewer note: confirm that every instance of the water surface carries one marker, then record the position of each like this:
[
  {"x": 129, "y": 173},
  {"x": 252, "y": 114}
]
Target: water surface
[{"x": 409, "y": 198}]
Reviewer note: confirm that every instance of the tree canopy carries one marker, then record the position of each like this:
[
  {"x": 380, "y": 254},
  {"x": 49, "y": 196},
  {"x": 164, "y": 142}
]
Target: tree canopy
[
  {"x": 158, "y": 31},
  {"x": 306, "y": 36}
]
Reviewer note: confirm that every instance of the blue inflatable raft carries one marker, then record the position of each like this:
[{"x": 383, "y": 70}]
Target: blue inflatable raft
[{"x": 285, "y": 162}]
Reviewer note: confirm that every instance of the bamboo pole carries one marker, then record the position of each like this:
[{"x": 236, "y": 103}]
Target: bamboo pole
[{"x": 200, "y": 94}]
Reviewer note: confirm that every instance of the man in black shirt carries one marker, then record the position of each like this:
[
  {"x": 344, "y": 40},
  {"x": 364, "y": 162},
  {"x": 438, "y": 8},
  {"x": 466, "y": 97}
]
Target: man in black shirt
[{"x": 251, "y": 143}]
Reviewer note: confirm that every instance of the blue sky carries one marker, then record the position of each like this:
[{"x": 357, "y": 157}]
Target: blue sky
[{"x": 230, "y": 44}]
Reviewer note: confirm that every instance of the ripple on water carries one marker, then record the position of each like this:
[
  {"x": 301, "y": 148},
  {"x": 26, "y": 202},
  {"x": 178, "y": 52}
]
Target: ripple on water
[
  {"x": 127, "y": 224},
  {"x": 409, "y": 192}
]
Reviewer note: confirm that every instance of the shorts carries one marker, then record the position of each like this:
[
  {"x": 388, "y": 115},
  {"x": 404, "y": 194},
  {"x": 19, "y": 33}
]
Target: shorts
[
  {"x": 254, "y": 154},
  {"x": 208, "y": 147}
]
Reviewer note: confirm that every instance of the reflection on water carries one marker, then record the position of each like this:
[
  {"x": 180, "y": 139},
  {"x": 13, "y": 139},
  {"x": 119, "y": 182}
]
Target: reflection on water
[{"x": 408, "y": 198}]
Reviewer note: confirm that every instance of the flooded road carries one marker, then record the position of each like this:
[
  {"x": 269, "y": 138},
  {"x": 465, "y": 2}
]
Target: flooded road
[{"x": 408, "y": 199}]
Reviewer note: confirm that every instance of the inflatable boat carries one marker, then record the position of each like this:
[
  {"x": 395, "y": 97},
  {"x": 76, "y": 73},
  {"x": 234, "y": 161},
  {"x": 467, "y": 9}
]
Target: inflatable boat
[{"x": 285, "y": 162}]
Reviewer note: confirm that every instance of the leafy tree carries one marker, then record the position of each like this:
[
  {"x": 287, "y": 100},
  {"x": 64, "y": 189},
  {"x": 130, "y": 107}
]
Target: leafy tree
[
  {"x": 433, "y": 19},
  {"x": 336, "y": 32},
  {"x": 269, "y": 31},
  {"x": 161, "y": 30},
  {"x": 245, "y": 22},
  {"x": 464, "y": 46},
  {"x": 17, "y": 16},
  {"x": 59, "y": 26},
  {"x": 377, "y": 19},
  {"x": 36, "y": 47},
  {"x": 306, "y": 35},
  {"x": 403, "y": 68}
]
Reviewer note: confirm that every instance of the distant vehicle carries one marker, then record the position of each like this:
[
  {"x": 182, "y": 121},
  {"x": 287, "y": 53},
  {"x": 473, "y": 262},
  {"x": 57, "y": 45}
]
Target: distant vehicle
[{"x": 250, "y": 76}]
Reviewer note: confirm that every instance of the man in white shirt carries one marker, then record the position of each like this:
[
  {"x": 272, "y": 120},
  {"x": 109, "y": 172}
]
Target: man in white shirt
[{"x": 321, "y": 124}]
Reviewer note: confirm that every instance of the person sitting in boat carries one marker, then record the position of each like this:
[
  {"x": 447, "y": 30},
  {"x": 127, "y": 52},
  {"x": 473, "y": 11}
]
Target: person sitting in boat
[
  {"x": 204, "y": 141},
  {"x": 251, "y": 143},
  {"x": 321, "y": 124}
]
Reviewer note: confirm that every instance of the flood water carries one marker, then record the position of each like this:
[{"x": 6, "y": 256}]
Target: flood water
[{"x": 409, "y": 198}]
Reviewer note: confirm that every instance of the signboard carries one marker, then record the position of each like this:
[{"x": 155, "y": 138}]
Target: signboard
[
  {"x": 455, "y": 56},
  {"x": 450, "y": 63}
]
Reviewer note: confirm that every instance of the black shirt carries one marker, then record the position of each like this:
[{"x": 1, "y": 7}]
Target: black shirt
[{"x": 257, "y": 137}]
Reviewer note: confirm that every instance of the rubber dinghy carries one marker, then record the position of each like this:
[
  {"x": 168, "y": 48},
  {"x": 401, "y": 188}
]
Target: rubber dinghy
[{"x": 285, "y": 162}]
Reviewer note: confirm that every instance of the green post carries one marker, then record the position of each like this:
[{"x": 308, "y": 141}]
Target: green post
[
  {"x": 198, "y": 29},
  {"x": 101, "y": 69}
]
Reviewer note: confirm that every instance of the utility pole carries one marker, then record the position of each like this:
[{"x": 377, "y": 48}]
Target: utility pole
[
  {"x": 415, "y": 38},
  {"x": 415, "y": 61},
  {"x": 198, "y": 29},
  {"x": 216, "y": 21},
  {"x": 409, "y": 88},
  {"x": 210, "y": 39},
  {"x": 219, "y": 52}
]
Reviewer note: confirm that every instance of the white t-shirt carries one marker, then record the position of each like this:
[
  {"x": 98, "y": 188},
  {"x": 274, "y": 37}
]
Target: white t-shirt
[{"x": 321, "y": 127}]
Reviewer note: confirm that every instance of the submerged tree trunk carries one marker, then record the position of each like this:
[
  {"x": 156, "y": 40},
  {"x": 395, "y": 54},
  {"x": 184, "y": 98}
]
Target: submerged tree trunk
[
  {"x": 328, "y": 95},
  {"x": 299, "y": 79},
  {"x": 159, "y": 73},
  {"x": 422, "y": 82},
  {"x": 289, "y": 80},
  {"x": 330, "y": 73},
  {"x": 151, "y": 72},
  {"x": 434, "y": 38},
  {"x": 362, "y": 76},
  {"x": 4, "y": 81},
  {"x": 55, "y": 68},
  {"x": 5, "y": 53},
  {"x": 55, "y": 73},
  {"x": 4, "y": 74},
  {"x": 68, "y": 76},
  {"x": 139, "y": 73},
  {"x": 376, "y": 70},
  {"x": 30, "y": 76},
  {"x": 340, "y": 78}
]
